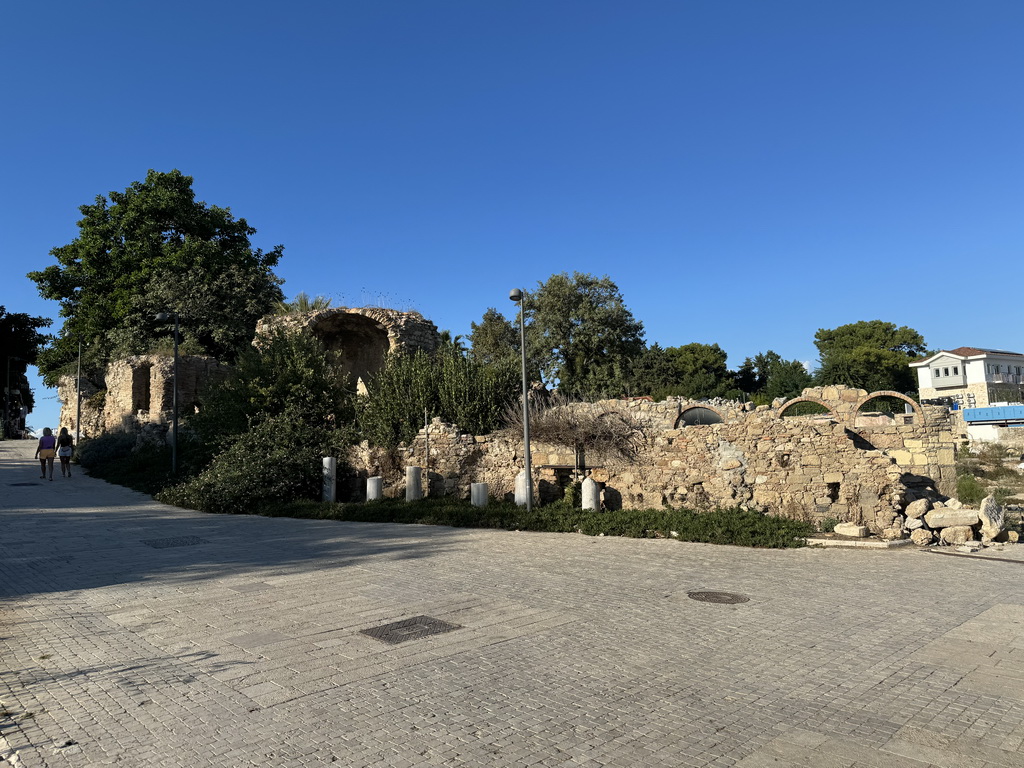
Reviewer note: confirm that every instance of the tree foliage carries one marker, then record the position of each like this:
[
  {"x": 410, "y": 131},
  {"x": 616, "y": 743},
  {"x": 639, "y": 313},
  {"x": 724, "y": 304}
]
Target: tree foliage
[
  {"x": 301, "y": 304},
  {"x": 581, "y": 335},
  {"x": 261, "y": 433},
  {"x": 451, "y": 385},
  {"x": 494, "y": 339},
  {"x": 20, "y": 342},
  {"x": 155, "y": 248},
  {"x": 872, "y": 355},
  {"x": 767, "y": 376},
  {"x": 693, "y": 370}
]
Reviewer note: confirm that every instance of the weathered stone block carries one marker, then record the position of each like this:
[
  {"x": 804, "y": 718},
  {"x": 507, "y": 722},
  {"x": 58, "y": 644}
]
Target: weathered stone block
[
  {"x": 916, "y": 509},
  {"x": 951, "y": 518},
  {"x": 957, "y": 534},
  {"x": 851, "y": 529},
  {"x": 922, "y": 537},
  {"x": 991, "y": 517}
]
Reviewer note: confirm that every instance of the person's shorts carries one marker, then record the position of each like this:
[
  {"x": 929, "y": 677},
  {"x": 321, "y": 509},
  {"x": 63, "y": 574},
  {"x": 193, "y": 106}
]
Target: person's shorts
[
  {"x": 65, "y": 452},
  {"x": 46, "y": 453}
]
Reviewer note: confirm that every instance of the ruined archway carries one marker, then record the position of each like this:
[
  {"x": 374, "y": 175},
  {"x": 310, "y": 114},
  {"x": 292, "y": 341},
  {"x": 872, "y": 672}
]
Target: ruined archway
[
  {"x": 825, "y": 408},
  {"x": 362, "y": 343},
  {"x": 696, "y": 415},
  {"x": 886, "y": 393}
]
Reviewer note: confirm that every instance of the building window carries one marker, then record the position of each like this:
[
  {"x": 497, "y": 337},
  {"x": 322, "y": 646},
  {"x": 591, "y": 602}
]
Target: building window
[
  {"x": 945, "y": 371},
  {"x": 956, "y": 370},
  {"x": 937, "y": 372}
]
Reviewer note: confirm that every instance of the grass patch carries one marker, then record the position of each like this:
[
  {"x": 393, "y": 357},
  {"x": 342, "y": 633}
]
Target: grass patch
[{"x": 736, "y": 527}]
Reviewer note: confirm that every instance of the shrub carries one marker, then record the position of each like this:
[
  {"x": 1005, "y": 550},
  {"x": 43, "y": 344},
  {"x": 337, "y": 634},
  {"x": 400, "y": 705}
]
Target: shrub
[
  {"x": 103, "y": 449},
  {"x": 278, "y": 460},
  {"x": 734, "y": 526},
  {"x": 969, "y": 490}
]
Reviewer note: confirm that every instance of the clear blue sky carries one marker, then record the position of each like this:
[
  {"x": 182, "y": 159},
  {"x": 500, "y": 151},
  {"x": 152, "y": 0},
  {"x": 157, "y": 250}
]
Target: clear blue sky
[{"x": 747, "y": 172}]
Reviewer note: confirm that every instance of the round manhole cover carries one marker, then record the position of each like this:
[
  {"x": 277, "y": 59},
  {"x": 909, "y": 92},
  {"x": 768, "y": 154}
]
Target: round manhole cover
[{"x": 722, "y": 598}]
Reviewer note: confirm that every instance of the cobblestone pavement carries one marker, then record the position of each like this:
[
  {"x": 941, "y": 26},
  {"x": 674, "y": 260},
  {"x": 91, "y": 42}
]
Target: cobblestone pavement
[{"x": 137, "y": 634}]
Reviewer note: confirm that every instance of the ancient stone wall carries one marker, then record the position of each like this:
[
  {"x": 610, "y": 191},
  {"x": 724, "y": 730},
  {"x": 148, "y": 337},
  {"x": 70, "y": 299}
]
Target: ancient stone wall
[
  {"x": 137, "y": 391},
  {"x": 363, "y": 336},
  {"x": 839, "y": 465}
]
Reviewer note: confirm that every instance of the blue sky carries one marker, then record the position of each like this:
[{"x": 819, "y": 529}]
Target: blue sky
[{"x": 747, "y": 172}]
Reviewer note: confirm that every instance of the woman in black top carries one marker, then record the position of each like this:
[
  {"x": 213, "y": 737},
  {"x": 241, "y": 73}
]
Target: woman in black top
[{"x": 65, "y": 447}]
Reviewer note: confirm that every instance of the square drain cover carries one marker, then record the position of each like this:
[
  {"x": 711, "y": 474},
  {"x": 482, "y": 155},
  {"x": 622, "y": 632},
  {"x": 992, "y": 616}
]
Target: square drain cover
[
  {"x": 409, "y": 629},
  {"x": 174, "y": 541}
]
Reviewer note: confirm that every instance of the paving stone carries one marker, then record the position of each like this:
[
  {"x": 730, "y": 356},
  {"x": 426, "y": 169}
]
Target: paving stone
[{"x": 246, "y": 650}]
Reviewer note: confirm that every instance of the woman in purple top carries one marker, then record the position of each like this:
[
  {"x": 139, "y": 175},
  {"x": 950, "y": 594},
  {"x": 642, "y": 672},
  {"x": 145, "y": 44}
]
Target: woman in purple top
[{"x": 45, "y": 451}]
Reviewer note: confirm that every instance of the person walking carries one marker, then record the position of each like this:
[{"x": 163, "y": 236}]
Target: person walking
[
  {"x": 44, "y": 452},
  {"x": 65, "y": 447}
]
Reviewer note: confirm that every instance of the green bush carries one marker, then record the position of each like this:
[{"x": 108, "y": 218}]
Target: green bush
[
  {"x": 735, "y": 527},
  {"x": 103, "y": 449},
  {"x": 969, "y": 490},
  {"x": 447, "y": 384},
  {"x": 278, "y": 460}
]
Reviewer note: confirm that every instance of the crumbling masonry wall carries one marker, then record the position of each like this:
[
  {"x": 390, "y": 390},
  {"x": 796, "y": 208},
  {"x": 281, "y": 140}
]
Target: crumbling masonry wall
[
  {"x": 362, "y": 336},
  {"x": 136, "y": 391},
  {"x": 845, "y": 464}
]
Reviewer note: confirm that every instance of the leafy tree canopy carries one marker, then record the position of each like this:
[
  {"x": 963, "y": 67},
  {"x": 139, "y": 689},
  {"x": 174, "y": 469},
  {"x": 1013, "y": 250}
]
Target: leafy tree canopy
[
  {"x": 494, "y": 339},
  {"x": 20, "y": 341},
  {"x": 766, "y": 376},
  {"x": 155, "y": 248},
  {"x": 872, "y": 355},
  {"x": 581, "y": 334}
]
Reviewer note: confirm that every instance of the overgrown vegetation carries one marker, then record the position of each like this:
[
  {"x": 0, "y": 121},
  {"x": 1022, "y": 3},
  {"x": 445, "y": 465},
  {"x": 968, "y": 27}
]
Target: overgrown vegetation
[
  {"x": 991, "y": 469},
  {"x": 736, "y": 527},
  {"x": 449, "y": 384}
]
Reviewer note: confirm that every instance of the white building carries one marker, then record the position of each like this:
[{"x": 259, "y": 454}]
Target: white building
[{"x": 972, "y": 377}]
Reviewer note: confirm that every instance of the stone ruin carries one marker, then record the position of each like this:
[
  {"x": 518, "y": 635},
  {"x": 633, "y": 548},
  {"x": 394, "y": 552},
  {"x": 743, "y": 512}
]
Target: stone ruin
[
  {"x": 844, "y": 464},
  {"x": 136, "y": 392},
  {"x": 362, "y": 336}
]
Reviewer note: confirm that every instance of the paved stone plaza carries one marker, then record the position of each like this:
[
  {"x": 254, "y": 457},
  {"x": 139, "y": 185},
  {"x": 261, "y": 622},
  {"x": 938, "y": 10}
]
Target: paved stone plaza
[{"x": 136, "y": 634}]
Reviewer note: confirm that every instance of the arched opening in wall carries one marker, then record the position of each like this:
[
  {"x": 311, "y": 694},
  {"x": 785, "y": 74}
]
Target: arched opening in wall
[
  {"x": 698, "y": 415},
  {"x": 886, "y": 409},
  {"x": 141, "y": 388},
  {"x": 802, "y": 407},
  {"x": 361, "y": 343}
]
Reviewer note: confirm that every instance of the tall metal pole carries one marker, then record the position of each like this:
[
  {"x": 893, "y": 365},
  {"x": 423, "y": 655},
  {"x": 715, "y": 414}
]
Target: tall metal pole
[
  {"x": 174, "y": 402},
  {"x": 78, "y": 415},
  {"x": 521, "y": 297}
]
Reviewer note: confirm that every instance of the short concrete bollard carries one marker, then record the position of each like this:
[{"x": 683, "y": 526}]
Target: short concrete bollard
[
  {"x": 591, "y": 492},
  {"x": 330, "y": 489},
  {"x": 374, "y": 488},
  {"x": 413, "y": 488},
  {"x": 478, "y": 494},
  {"x": 522, "y": 488}
]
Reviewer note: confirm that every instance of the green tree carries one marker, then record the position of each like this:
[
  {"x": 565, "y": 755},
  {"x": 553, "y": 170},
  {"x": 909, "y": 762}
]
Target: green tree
[
  {"x": 155, "y": 248},
  {"x": 494, "y": 339},
  {"x": 582, "y": 335},
  {"x": 20, "y": 342},
  {"x": 301, "y": 304},
  {"x": 767, "y": 376},
  {"x": 872, "y": 355}
]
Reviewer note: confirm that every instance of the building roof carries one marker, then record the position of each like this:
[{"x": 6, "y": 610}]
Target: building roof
[{"x": 965, "y": 352}]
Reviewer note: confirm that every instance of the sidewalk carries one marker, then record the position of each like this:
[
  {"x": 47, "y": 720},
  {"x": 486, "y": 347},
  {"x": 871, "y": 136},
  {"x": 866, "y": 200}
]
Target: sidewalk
[{"x": 137, "y": 634}]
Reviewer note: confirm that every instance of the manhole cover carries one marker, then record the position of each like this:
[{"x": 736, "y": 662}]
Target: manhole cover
[
  {"x": 409, "y": 629},
  {"x": 722, "y": 598},
  {"x": 174, "y": 541},
  {"x": 13, "y": 485}
]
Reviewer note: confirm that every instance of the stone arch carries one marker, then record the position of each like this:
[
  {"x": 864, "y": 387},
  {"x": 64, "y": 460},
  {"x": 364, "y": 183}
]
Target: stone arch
[
  {"x": 698, "y": 414},
  {"x": 361, "y": 342},
  {"x": 918, "y": 413},
  {"x": 789, "y": 403}
]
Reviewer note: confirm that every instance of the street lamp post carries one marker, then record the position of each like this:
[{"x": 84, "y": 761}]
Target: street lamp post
[
  {"x": 519, "y": 297},
  {"x": 163, "y": 317}
]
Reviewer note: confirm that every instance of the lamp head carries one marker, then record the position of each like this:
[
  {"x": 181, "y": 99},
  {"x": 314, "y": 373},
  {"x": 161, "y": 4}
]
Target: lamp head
[
  {"x": 515, "y": 295},
  {"x": 162, "y": 317}
]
